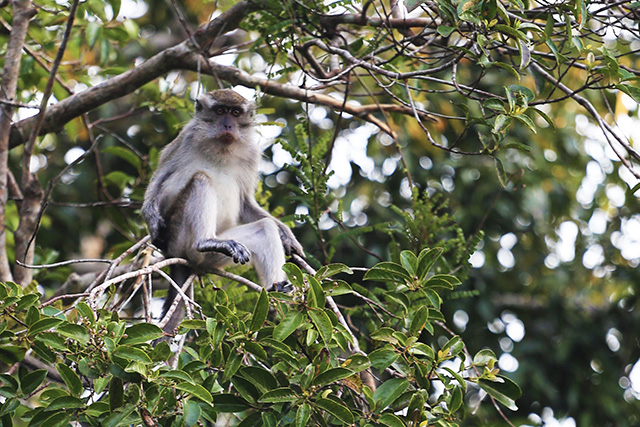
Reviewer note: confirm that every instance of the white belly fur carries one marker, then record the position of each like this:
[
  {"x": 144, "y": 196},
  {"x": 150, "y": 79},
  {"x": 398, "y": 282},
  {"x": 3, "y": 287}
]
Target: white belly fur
[{"x": 225, "y": 199}]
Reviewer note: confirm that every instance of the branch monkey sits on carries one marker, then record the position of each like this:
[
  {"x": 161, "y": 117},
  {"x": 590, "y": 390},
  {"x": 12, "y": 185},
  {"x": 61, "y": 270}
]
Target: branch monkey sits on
[{"x": 200, "y": 204}]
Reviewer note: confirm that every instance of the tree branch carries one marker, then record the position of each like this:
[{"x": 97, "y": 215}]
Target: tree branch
[
  {"x": 22, "y": 13},
  {"x": 117, "y": 86}
]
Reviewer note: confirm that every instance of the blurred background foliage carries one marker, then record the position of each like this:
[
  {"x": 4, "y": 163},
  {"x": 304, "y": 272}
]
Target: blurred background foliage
[{"x": 553, "y": 284}]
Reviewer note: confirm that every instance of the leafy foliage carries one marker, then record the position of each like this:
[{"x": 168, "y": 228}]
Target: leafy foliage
[{"x": 293, "y": 366}]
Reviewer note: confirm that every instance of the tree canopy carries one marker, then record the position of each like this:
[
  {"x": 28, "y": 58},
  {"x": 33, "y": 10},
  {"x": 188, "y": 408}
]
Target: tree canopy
[{"x": 463, "y": 176}]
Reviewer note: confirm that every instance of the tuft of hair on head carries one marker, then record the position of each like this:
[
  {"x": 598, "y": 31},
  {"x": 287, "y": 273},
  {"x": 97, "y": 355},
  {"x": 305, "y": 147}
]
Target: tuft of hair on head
[
  {"x": 228, "y": 97},
  {"x": 225, "y": 97}
]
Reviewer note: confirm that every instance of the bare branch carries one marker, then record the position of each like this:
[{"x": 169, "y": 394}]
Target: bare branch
[{"x": 22, "y": 13}]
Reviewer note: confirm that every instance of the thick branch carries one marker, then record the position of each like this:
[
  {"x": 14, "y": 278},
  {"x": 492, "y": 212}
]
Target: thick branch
[
  {"x": 22, "y": 12},
  {"x": 117, "y": 86}
]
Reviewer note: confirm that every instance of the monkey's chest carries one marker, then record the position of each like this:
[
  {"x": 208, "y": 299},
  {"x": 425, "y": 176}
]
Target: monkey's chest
[
  {"x": 227, "y": 204},
  {"x": 228, "y": 196}
]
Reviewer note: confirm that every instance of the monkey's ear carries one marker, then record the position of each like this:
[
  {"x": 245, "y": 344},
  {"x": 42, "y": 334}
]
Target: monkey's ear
[{"x": 199, "y": 106}]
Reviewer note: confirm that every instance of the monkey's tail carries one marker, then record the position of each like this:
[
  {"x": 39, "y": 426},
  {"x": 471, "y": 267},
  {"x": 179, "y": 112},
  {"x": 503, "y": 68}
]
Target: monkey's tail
[{"x": 180, "y": 274}]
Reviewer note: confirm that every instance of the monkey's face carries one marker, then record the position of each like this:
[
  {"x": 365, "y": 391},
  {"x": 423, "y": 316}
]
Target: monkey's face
[{"x": 227, "y": 115}]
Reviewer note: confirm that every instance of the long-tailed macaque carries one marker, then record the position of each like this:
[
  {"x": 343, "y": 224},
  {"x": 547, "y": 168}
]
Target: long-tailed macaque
[{"x": 200, "y": 203}]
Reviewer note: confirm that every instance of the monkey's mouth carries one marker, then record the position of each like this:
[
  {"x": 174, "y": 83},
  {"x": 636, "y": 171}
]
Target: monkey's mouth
[{"x": 227, "y": 137}]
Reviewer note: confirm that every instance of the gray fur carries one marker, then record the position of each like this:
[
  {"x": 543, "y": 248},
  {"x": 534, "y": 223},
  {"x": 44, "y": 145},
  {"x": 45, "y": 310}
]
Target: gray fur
[{"x": 200, "y": 203}]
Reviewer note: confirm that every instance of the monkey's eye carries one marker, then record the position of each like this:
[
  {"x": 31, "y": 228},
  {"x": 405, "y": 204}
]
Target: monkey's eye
[
  {"x": 235, "y": 112},
  {"x": 220, "y": 110}
]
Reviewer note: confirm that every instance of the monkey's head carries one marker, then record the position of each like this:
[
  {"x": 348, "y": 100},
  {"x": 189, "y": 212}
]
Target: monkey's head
[{"x": 227, "y": 116}]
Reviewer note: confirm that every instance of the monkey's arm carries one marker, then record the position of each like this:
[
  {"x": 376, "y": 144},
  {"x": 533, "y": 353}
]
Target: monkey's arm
[
  {"x": 252, "y": 212},
  {"x": 151, "y": 209}
]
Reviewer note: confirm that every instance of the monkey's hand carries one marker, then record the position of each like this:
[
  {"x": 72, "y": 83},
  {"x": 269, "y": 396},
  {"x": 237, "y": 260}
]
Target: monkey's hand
[
  {"x": 231, "y": 248},
  {"x": 289, "y": 242}
]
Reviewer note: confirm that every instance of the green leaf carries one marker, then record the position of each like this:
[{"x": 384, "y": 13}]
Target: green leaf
[
  {"x": 294, "y": 274},
  {"x": 65, "y": 402},
  {"x": 259, "y": 377},
  {"x": 260, "y": 312},
  {"x": 256, "y": 350},
  {"x": 507, "y": 67},
  {"x": 485, "y": 357},
  {"x": 302, "y": 415},
  {"x": 339, "y": 411},
  {"x": 426, "y": 259},
  {"x": 389, "y": 391},
  {"x": 524, "y": 91},
  {"x": 388, "y": 271},
  {"x": 452, "y": 347},
  {"x": 141, "y": 333},
  {"x": 502, "y": 389},
  {"x": 132, "y": 353},
  {"x": 316, "y": 293},
  {"x": 11, "y": 354},
  {"x": 419, "y": 320},
  {"x": 510, "y": 31},
  {"x": 229, "y": 403},
  {"x": 413, "y": 4},
  {"x": 306, "y": 377},
  {"x": 632, "y": 91},
  {"x": 332, "y": 269},
  {"x": 268, "y": 419},
  {"x": 116, "y": 394},
  {"x": 276, "y": 345},
  {"x": 445, "y": 281},
  {"x": 391, "y": 420},
  {"x": 291, "y": 321},
  {"x": 70, "y": 378},
  {"x": 382, "y": 358},
  {"x": 357, "y": 363},
  {"x": 195, "y": 390},
  {"x": 85, "y": 311},
  {"x": 409, "y": 262},
  {"x": 73, "y": 331},
  {"x": 455, "y": 400},
  {"x": 191, "y": 413},
  {"x": 458, "y": 378},
  {"x": 501, "y": 173},
  {"x": 332, "y": 375},
  {"x": 526, "y": 120},
  {"x": 116, "y": 418},
  {"x": 9, "y": 406},
  {"x": 93, "y": 31},
  {"x": 27, "y": 301},
  {"x": 544, "y": 116},
  {"x": 32, "y": 380},
  {"x": 44, "y": 325},
  {"x": 59, "y": 419},
  {"x": 323, "y": 324},
  {"x": 445, "y": 31},
  {"x": 279, "y": 395},
  {"x": 193, "y": 324},
  {"x": 232, "y": 364}
]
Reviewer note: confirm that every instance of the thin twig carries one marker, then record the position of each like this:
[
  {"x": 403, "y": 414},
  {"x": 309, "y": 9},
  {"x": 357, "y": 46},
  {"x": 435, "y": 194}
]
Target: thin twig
[
  {"x": 64, "y": 263},
  {"x": 176, "y": 301},
  {"x": 99, "y": 290},
  {"x": 65, "y": 296},
  {"x": 239, "y": 279}
]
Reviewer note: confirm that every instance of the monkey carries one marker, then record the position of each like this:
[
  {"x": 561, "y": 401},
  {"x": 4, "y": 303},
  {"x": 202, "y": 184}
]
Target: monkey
[{"x": 200, "y": 202}]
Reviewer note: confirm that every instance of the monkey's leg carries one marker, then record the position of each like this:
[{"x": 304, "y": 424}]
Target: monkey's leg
[
  {"x": 262, "y": 239},
  {"x": 195, "y": 217}
]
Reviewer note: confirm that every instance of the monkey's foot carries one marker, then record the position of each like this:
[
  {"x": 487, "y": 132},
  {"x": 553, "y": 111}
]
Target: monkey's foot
[
  {"x": 231, "y": 248},
  {"x": 284, "y": 287}
]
